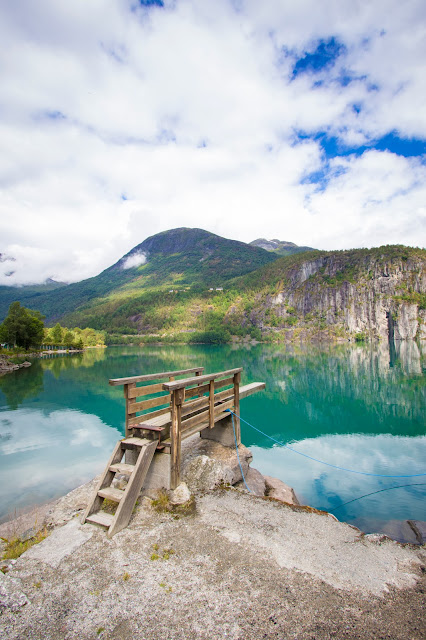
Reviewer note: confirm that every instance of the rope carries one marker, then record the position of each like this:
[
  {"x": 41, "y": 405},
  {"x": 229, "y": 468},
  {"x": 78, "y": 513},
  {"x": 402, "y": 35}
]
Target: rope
[
  {"x": 305, "y": 455},
  {"x": 238, "y": 455},
  {"x": 417, "y": 484}
]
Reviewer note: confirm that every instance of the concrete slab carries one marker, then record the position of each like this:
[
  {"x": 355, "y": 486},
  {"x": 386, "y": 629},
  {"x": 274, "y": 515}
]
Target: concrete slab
[{"x": 60, "y": 544}]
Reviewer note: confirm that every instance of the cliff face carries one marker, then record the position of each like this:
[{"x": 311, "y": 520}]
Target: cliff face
[{"x": 361, "y": 292}]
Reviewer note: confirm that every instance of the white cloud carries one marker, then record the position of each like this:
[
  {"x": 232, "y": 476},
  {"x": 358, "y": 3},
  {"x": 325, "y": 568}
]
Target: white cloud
[
  {"x": 135, "y": 260},
  {"x": 190, "y": 113}
]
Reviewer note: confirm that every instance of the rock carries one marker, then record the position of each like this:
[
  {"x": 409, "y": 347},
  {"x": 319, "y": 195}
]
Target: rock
[
  {"x": 205, "y": 474},
  {"x": 10, "y": 596},
  {"x": 181, "y": 494},
  {"x": 207, "y": 464},
  {"x": 61, "y": 543},
  {"x": 278, "y": 490},
  {"x": 255, "y": 482},
  {"x": 419, "y": 529}
]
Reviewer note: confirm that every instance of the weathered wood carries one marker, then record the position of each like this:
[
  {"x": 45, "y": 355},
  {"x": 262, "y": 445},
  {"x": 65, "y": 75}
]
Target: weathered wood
[
  {"x": 211, "y": 404},
  {"x": 153, "y": 376},
  {"x": 146, "y": 390},
  {"x": 186, "y": 382},
  {"x": 196, "y": 391},
  {"x": 132, "y": 442},
  {"x": 193, "y": 420},
  {"x": 148, "y": 427},
  {"x": 178, "y": 398},
  {"x": 123, "y": 468},
  {"x": 128, "y": 414},
  {"x": 195, "y": 405},
  {"x": 105, "y": 480},
  {"x": 224, "y": 405},
  {"x": 101, "y": 517},
  {"x": 111, "y": 494},
  {"x": 249, "y": 389},
  {"x": 150, "y": 416},
  {"x": 237, "y": 380},
  {"x": 134, "y": 486},
  {"x": 148, "y": 404},
  {"x": 223, "y": 395}
]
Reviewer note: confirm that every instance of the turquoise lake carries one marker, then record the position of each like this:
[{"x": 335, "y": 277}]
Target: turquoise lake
[{"x": 358, "y": 407}]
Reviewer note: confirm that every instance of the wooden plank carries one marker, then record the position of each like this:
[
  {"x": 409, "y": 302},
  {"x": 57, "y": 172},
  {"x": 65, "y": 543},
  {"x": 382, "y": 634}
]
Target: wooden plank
[
  {"x": 101, "y": 517},
  {"x": 186, "y": 382},
  {"x": 223, "y": 383},
  {"x": 178, "y": 398},
  {"x": 151, "y": 416},
  {"x": 123, "y": 468},
  {"x": 153, "y": 376},
  {"x": 195, "y": 405},
  {"x": 196, "y": 391},
  {"x": 146, "y": 390},
  {"x": 249, "y": 389},
  {"x": 148, "y": 404},
  {"x": 224, "y": 405},
  {"x": 237, "y": 380},
  {"x": 104, "y": 481},
  {"x": 211, "y": 404},
  {"x": 190, "y": 422},
  {"x": 132, "y": 491},
  {"x": 135, "y": 442},
  {"x": 128, "y": 414},
  {"x": 111, "y": 494},
  {"x": 223, "y": 395},
  {"x": 148, "y": 427}
]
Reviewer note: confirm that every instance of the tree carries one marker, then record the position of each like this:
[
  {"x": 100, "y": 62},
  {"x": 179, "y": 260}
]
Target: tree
[
  {"x": 22, "y": 327},
  {"x": 56, "y": 333},
  {"x": 68, "y": 339}
]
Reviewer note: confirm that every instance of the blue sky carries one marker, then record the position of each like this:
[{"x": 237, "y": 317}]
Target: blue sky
[{"x": 122, "y": 118}]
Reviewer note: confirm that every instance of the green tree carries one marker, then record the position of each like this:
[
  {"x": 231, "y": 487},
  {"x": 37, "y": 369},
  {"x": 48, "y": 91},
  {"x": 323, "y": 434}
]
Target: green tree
[
  {"x": 56, "y": 334},
  {"x": 22, "y": 327},
  {"x": 68, "y": 339}
]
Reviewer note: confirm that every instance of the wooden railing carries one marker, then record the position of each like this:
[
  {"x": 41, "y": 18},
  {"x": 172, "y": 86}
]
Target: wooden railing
[
  {"x": 138, "y": 409},
  {"x": 189, "y": 416}
]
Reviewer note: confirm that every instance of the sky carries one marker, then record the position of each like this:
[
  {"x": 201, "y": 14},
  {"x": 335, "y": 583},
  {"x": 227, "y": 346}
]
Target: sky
[{"x": 303, "y": 121}]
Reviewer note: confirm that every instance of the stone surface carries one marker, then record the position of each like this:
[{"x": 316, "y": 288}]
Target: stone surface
[
  {"x": 280, "y": 491},
  {"x": 222, "y": 432},
  {"x": 61, "y": 543},
  {"x": 10, "y": 595},
  {"x": 254, "y": 481},
  {"x": 181, "y": 494},
  {"x": 207, "y": 464}
]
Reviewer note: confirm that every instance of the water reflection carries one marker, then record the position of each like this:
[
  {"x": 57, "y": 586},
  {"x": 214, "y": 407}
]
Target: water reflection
[
  {"x": 362, "y": 407},
  {"x": 44, "y": 455}
]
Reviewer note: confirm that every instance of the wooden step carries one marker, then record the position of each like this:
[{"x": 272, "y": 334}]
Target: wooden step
[
  {"x": 101, "y": 517},
  {"x": 111, "y": 494},
  {"x": 147, "y": 427},
  {"x": 123, "y": 468},
  {"x": 132, "y": 442}
]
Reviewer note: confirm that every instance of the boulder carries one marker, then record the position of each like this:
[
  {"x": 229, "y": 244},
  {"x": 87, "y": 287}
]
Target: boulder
[
  {"x": 280, "y": 491},
  {"x": 207, "y": 464},
  {"x": 254, "y": 481}
]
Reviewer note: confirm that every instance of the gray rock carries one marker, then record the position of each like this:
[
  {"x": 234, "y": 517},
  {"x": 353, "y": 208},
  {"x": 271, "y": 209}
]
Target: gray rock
[
  {"x": 181, "y": 494},
  {"x": 10, "y": 595},
  {"x": 278, "y": 490},
  {"x": 255, "y": 482},
  {"x": 205, "y": 474}
]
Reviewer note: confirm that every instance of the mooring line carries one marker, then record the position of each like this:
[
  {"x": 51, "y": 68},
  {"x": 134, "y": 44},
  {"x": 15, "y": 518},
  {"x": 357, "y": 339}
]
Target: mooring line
[
  {"x": 333, "y": 466},
  {"x": 416, "y": 484}
]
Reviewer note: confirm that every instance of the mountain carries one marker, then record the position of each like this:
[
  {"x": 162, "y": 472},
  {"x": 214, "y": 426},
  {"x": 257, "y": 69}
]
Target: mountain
[
  {"x": 190, "y": 285},
  {"x": 280, "y": 247},
  {"x": 176, "y": 258}
]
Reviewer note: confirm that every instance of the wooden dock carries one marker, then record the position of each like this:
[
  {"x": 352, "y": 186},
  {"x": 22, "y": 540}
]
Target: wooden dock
[{"x": 160, "y": 412}]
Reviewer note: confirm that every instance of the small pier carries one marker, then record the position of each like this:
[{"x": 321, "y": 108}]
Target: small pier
[{"x": 161, "y": 410}]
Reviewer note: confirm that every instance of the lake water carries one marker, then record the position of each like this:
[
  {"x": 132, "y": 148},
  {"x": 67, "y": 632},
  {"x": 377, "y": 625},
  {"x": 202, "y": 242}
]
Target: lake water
[{"x": 361, "y": 408}]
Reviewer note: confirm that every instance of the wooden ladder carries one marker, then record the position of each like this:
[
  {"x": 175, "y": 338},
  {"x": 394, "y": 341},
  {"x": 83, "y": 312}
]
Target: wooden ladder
[{"x": 126, "y": 498}]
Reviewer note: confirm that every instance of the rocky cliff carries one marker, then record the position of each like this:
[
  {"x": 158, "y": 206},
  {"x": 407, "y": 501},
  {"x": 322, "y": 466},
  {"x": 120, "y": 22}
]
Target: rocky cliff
[{"x": 377, "y": 293}]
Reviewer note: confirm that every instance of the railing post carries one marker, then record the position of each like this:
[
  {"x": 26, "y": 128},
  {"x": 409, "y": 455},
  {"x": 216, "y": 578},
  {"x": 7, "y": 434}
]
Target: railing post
[
  {"x": 178, "y": 397},
  {"x": 237, "y": 380},
  {"x": 211, "y": 404},
  {"x": 126, "y": 390}
]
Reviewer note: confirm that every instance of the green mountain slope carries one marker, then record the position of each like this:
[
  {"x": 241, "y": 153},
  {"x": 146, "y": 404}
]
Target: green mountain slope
[{"x": 179, "y": 257}]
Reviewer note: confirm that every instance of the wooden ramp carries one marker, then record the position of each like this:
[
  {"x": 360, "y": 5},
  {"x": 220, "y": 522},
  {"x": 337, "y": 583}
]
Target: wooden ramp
[{"x": 126, "y": 499}]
